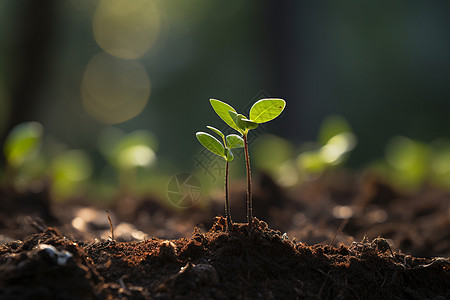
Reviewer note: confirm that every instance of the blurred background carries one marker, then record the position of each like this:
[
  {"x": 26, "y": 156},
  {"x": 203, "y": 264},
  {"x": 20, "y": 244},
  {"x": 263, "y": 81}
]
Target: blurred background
[{"x": 103, "y": 97}]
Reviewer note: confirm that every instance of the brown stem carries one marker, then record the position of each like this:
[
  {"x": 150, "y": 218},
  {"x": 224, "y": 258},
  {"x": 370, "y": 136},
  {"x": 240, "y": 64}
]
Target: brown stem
[
  {"x": 249, "y": 184},
  {"x": 227, "y": 204}
]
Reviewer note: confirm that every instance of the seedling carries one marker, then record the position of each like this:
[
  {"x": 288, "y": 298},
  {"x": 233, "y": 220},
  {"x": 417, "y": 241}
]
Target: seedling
[
  {"x": 231, "y": 141},
  {"x": 262, "y": 111}
]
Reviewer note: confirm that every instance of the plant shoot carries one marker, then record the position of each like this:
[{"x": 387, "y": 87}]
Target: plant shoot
[
  {"x": 262, "y": 111},
  {"x": 223, "y": 150}
]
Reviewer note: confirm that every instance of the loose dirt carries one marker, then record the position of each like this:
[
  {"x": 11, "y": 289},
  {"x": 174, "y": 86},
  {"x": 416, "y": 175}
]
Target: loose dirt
[{"x": 242, "y": 263}]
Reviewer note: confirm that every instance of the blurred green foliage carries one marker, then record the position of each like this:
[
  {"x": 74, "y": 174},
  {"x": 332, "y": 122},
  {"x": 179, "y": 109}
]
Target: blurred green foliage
[
  {"x": 278, "y": 157},
  {"x": 34, "y": 159},
  {"x": 78, "y": 66},
  {"x": 23, "y": 143},
  {"x": 410, "y": 164},
  {"x": 69, "y": 173},
  {"x": 127, "y": 151}
]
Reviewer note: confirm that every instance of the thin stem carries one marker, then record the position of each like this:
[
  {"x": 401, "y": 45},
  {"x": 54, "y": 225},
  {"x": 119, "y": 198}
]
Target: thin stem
[
  {"x": 249, "y": 184},
  {"x": 227, "y": 204}
]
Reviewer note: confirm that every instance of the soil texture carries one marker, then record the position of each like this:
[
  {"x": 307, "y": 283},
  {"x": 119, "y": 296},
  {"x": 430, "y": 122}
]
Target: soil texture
[{"x": 241, "y": 263}]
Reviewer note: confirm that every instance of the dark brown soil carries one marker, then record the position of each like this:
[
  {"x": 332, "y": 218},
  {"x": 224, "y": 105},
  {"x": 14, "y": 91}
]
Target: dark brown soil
[
  {"x": 245, "y": 263},
  {"x": 368, "y": 241}
]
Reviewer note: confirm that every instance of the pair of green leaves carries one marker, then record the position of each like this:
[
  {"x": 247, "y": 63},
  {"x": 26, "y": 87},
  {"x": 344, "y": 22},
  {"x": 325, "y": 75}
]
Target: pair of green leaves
[
  {"x": 262, "y": 111},
  {"x": 215, "y": 146}
]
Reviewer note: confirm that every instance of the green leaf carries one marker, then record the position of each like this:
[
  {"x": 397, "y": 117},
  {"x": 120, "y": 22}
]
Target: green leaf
[
  {"x": 229, "y": 155},
  {"x": 234, "y": 115},
  {"x": 242, "y": 122},
  {"x": 265, "y": 110},
  {"x": 234, "y": 141},
  {"x": 249, "y": 124},
  {"x": 222, "y": 109},
  {"x": 219, "y": 133},
  {"x": 211, "y": 143}
]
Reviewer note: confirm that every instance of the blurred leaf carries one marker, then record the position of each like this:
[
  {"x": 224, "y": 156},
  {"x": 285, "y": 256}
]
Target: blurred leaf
[
  {"x": 222, "y": 109},
  {"x": 265, "y": 110},
  {"x": 410, "y": 159},
  {"x": 234, "y": 141},
  {"x": 311, "y": 162},
  {"x": 128, "y": 150},
  {"x": 337, "y": 146},
  {"x": 287, "y": 174},
  {"x": 68, "y": 170},
  {"x": 440, "y": 163},
  {"x": 211, "y": 143},
  {"x": 73, "y": 165},
  {"x": 270, "y": 152},
  {"x": 332, "y": 126},
  {"x": 23, "y": 142}
]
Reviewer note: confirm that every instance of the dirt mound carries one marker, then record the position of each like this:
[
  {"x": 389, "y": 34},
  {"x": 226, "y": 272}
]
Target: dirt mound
[{"x": 244, "y": 263}]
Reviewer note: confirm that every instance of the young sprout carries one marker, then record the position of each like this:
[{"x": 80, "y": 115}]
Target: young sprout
[
  {"x": 223, "y": 150},
  {"x": 262, "y": 111}
]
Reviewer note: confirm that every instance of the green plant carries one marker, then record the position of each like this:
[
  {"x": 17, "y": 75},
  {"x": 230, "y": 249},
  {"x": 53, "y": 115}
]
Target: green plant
[
  {"x": 334, "y": 142},
  {"x": 262, "y": 111},
  {"x": 223, "y": 150}
]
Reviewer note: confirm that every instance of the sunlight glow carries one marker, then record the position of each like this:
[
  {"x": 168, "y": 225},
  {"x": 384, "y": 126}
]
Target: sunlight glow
[
  {"x": 126, "y": 29},
  {"x": 114, "y": 90},
  {"x": 139, "y": 155}
]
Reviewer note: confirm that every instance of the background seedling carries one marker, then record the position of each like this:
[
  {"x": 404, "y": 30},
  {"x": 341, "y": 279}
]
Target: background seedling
[
  {"x": 262, "y": 111},
  {"x": 223, "y": 150}
]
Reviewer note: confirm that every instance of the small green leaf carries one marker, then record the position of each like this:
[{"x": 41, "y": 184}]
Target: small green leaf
[
  {"x": 234, "y": 141},
  {"x": 229, "y": 155},
  {"x": 222, "y": 109},
  {"x": 249, "y": 124},
  {"x": 235, "y": 116},
  {"x": 265, "y": 110},
  {"x": 242, "y": 122},
  {"x": 219, "y": 133},
  {"x": 211, "y": 143}
]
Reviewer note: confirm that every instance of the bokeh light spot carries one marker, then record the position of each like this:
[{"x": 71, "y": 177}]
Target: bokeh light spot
[
  {"x": 126, "y": 29},
  {"x": 139, "y": 155},
  {"x": 114, "y": 90},
  {"x": 342, "y": 212},
  {"x": 337, "y": 146}
]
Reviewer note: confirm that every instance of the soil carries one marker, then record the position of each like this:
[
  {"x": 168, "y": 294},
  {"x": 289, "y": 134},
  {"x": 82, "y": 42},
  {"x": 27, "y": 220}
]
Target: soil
[{"x": 343, "y": 236}]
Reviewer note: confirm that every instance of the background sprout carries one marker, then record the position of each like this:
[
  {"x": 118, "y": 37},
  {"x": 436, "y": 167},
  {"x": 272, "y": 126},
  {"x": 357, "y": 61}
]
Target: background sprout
[
  {"x": 128, "y": 153},
  {"x": 262, "y": 111},
  {"x": 23, "y": 143},
  {"x": 334, "y": 142},
  {"x": 223, "y": 150},
  {"x": 69, "y": 172},
  {"x": 24, "y": 159}
]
